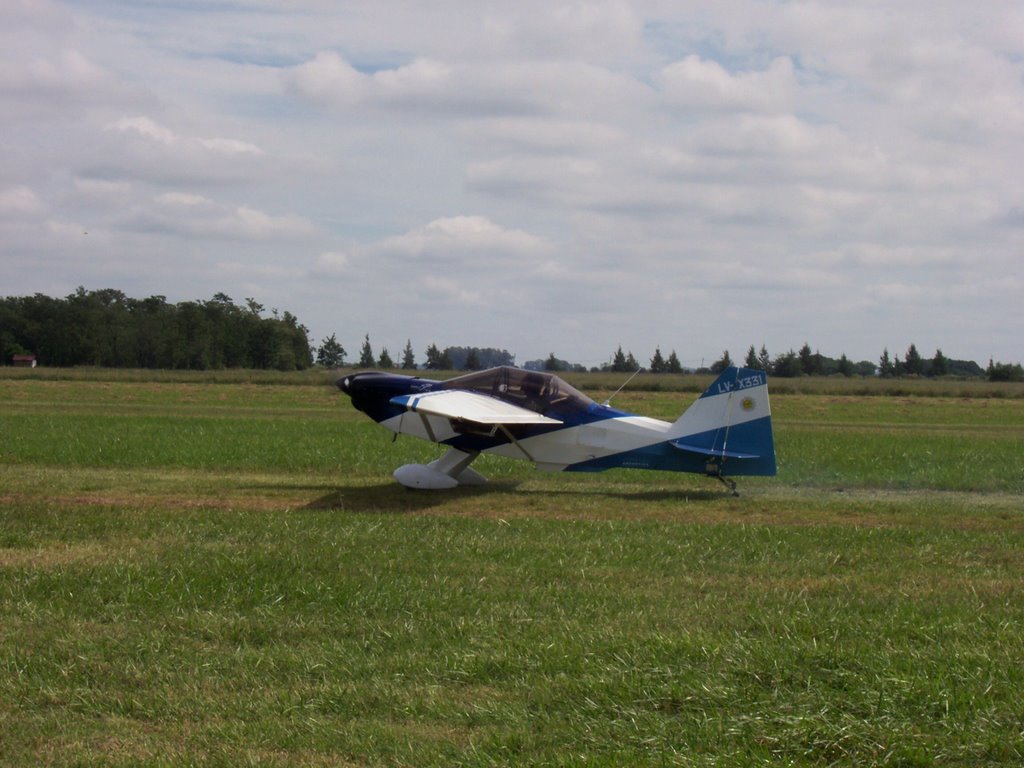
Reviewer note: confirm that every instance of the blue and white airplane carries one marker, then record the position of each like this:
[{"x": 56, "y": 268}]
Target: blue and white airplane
[{"x": 537, "y": 416}]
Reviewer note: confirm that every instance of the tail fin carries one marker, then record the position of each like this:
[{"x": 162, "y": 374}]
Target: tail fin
[{"x": 730, "y": 425}]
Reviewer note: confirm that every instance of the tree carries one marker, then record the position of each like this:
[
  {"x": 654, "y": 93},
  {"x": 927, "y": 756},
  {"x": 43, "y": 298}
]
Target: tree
[
  {"x": 385, "y": 361},
  {"x": 751, "y": 361},
  {"x": 107, "y": 328},
  {"x": 408, "y": 357},
  {"x": 764, "y": 360},
  {"x": 940, "y": 366},
  {"x": 810, "y": 363},
  {"x": 366, "y": 355},
  {"x": 150, "y": 318},
  {"x": 433, "y": 357},
  {"x": 845, "y": 366},
  {"x": 631, "y": 363},
  {"x": 672, "y": 365},
  {"x": 657, "y": 362},
  {"x": 913, "y": 364},
  {"x": 486, "y": 357},
  {"x": 472, "y": 360},
  {"x": 886, "y": 368},
  {"x": 331, "y": 354},
  {"x": 1004, "y": 371},
  {"x": 787, "y": 365},
  {"x": 721, "y": 363},
  {"x": 865, "y": 368},
  {"x": 552, "y": 364},
  {"x": 619, "y": 364},
  {"x": 438, "y": 360}
]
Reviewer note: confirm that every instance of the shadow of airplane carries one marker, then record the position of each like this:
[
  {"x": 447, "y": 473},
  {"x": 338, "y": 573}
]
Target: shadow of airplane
[{"x": 391, "y": 498}]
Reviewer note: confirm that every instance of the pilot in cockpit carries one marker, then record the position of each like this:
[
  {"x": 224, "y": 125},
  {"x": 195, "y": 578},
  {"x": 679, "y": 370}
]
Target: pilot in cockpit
[{"x": 533, "y": 389}]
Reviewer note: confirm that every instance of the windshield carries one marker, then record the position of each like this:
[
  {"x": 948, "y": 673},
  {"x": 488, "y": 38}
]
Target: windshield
[{"x": 534, "y": 390}]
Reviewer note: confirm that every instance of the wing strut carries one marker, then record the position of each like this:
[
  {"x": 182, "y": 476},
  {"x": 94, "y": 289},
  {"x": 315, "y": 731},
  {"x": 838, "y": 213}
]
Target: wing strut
[
  {"x": 426, "y": 426},
  {"x": 511, "y": 437}
]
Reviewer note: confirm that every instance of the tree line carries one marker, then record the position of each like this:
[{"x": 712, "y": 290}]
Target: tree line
[
  {"x": 804, "y": 362},
  {"x": 331, "y": 354},
  {"x": 807, "y": 363},
  {"x": 789, "y": 364},
  {"x": 107, "y": 328}
]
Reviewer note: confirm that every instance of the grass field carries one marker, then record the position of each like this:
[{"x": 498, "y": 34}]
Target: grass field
[{"x": 222, "y": 572}]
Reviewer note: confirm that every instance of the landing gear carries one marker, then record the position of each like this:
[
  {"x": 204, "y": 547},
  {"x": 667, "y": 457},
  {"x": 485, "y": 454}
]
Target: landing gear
[
  {"x": 730, "y": 484},
  {"x": 449, "y": 471},
  {"x": 714, "y": 469}
]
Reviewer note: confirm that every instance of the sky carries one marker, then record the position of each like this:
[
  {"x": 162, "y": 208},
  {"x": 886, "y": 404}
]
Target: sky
[{"x": 542, "y": 177}]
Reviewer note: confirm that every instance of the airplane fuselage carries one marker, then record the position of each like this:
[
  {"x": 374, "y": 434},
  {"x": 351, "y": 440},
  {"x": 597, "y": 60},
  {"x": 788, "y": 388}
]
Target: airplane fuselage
[{"x": 567, "y": 430}]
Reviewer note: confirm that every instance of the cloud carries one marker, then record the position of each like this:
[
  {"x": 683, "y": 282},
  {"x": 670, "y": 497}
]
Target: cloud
[
  {"x": 49, "y": 70},
  {"x": 546, "y": 135},
  {"x": 900, "y": 256},
  {"x": 465, "y": 89},
  {"x": 695, "y": 83},
  {"x": 450, "y": 290},
  {"x": 144, "y": 149},
  {"x": 19, "y": 201},
  {"x": 247, "y": 223},
  {"x": 49, "y": 79},
  {"x": 474, "y": 241},
  {"x": 331, "y": 264},
  {"x": 195, "y": 216},
  {"x": 230, "y": 147},
  {"x": 249, "y": 271},
  {"x": 330, "y": 80},
  {"x": 101, "y": 191},
  {"x": 183, "y": 198},
  {"x": 448, "y": 265},
  {"x": 146, "y": 128},
  {"x": 609, "y": 171},
  {"x": 559, "y": 30},
  {"x": 153, "y": 132},
  {"x": 533, "y": 174},
  {"x": 66, "y": 71}
]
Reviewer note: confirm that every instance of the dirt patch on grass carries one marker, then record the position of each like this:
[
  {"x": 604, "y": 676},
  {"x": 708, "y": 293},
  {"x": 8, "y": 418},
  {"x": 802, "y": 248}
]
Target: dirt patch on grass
[
  {"x": 538, "y": 499},
  {"x": 134, "y": 501},
  {"x": 49, "y": 558}
]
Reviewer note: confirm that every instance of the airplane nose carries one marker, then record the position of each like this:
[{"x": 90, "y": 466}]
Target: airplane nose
[
  {"x": 370, "y": 391},
  {"x": 353, "y": 384}
]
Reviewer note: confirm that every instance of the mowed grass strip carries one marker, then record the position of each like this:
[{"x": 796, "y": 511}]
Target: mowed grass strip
[
  {"x": 137, "y": 635},
  {"x": 849, "y": 442},
  {"x": 256, "y": 590}
]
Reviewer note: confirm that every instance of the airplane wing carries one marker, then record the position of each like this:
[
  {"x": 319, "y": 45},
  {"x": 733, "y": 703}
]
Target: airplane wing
[{"x": 470, "y": 406}]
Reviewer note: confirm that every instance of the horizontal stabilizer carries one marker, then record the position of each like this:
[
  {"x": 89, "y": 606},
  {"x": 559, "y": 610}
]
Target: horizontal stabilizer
[{"x": 704, "y": 451}]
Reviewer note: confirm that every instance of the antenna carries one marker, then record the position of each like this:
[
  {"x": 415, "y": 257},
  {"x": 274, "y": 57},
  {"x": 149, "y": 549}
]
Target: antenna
[{"x": 608, "y": 402}]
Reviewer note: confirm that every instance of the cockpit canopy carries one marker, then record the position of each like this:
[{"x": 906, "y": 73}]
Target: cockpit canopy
[{"x": 534, "y": 390}]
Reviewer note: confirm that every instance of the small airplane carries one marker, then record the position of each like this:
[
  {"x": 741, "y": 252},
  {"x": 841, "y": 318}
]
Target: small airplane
[{"x": 538, "y": 417}]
